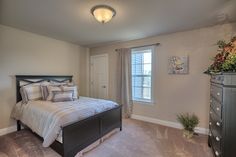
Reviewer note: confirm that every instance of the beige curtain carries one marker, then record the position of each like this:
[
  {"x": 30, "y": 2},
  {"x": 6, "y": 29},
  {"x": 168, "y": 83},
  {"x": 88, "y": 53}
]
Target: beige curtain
[{"x": 124, "y": 88}]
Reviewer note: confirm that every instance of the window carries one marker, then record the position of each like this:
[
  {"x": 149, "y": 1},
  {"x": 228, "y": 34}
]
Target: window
[{"x": 142, "y": 74}]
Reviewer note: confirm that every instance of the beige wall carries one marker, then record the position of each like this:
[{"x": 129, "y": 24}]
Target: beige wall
[
  {"x": 26, "y": 53},
  {"x": 176, "y": 93}
]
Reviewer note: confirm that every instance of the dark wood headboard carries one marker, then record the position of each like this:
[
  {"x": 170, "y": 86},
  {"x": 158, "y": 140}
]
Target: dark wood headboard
[{"x": 29, "y": 79}]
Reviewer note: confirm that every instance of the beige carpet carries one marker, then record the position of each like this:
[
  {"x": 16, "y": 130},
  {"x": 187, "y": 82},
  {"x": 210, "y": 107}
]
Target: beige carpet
[{"x": 138, "y": 139}]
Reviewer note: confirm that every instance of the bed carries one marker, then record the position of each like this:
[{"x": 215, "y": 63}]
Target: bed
[{"x": 101, "y": 117}]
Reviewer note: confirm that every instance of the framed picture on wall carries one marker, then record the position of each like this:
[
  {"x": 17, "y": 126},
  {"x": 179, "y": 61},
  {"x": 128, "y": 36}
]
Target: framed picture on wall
[{"x": 178, "y": 65}]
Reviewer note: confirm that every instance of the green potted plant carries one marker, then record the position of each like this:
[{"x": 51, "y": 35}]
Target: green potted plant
[{"x": 189, "y": 122}]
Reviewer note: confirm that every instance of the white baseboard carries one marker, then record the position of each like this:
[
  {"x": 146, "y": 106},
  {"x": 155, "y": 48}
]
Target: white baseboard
[
  {"x": 8, "y": 130},
  {"x": 167, "y": 123}
]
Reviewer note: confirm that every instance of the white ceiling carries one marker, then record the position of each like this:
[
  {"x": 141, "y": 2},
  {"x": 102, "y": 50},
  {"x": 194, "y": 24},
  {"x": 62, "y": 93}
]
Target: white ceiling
[{"x": 71, "y": 20}]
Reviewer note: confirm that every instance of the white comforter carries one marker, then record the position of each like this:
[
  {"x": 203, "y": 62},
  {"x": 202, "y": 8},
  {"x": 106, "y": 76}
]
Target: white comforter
[{"x": 46, "y": 118}]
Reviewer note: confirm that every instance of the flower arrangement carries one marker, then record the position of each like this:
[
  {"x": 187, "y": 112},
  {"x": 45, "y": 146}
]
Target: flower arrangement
[{"x": 225, "y": 60}]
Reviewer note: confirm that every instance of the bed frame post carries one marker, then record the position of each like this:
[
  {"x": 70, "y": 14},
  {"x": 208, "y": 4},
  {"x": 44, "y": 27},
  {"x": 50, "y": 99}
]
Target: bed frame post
[{"x": 18, "y": 125}]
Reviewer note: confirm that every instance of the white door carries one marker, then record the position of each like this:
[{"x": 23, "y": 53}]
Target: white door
[{"x": 99, "y": 76}]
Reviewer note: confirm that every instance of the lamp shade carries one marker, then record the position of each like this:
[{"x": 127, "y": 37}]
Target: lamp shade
[{"x": 103, "y": 13}]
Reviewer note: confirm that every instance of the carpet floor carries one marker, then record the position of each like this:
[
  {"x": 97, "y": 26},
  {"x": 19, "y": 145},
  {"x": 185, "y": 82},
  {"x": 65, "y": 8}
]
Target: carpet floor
[{"x": 138, "y": 139}]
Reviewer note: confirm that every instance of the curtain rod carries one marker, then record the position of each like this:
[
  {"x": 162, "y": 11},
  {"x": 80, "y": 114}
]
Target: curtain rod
[{"x": 156, "y": 44}]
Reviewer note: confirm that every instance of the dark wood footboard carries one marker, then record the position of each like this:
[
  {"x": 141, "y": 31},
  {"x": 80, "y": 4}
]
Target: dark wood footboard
[{"x": 81, "y": 134}]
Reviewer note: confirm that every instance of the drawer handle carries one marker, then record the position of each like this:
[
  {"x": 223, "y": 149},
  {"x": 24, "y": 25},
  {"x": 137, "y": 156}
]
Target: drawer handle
[
  {"x": 217, "y": 153},
  {"x": 217, "y": 138},
  {"x": 218, "y": 109},
  {"x": 218, "y": 94},
  {"x": 218, "y": 123}
]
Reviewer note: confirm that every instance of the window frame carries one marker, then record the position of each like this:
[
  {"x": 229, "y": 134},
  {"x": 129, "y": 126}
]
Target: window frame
[{"x": 145, "y": 101}]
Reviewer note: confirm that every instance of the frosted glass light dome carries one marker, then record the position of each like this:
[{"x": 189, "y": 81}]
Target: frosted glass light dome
[{"x": 103, "y": 13}]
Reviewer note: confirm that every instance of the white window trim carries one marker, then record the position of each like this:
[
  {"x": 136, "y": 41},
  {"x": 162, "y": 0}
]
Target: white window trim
[
  {"x": 142, "y": 101},
  {"x": 149, "y": 103}
]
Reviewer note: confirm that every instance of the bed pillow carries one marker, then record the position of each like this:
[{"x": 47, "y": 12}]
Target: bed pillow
[
  {"x": 54, "y": 83},
  {"x": 23, "y": 96},
  {"x": 44, "y": 90},
  {"x": 52, "y": 89},
  {"x": 62, "y": 96},
  {"x": 66, "y": 83},
  {"x": 33, "y": 91},
  {"x": 71, "y": 88}
]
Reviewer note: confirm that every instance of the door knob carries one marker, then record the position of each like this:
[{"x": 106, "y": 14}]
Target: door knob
[{"x": 103, "y": 86}]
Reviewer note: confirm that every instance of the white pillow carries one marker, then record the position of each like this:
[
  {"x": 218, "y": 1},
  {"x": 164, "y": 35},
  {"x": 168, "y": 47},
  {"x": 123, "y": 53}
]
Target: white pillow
[
  {"x": 24, "y": 97},
  {"x": 54, "y": 83},
  {"x": 71, "y": 88},
  {"x": 44, "y": 90},
  {"x": 52, "y": 89},
  {"x": 33, "y": 92}
]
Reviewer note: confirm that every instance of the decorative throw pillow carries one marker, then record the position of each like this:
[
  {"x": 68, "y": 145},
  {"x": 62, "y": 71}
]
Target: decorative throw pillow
[
  {"x": 52, "y": 89},
  {"x": 71, "y": 88},
  {"x": 61, "y": 96}
]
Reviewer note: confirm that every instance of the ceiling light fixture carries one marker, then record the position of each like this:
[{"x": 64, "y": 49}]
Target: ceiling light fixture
[{"x": 103, "y": 13}]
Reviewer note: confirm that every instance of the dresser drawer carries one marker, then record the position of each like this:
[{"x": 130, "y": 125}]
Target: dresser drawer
[
  {"x": 216, "y": 106},
  {"x": 217, "y": 93}
]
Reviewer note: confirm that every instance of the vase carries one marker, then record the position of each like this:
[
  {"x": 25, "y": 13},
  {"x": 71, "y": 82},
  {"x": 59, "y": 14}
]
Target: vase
[{"x": 188, "y": 134}]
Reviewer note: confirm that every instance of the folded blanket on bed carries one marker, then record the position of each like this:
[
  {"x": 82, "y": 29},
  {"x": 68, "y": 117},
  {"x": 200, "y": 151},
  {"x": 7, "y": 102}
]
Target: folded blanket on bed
[{"x": 46, "y": 118}]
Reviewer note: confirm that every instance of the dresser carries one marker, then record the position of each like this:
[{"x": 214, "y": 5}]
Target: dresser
[{"x": 222, "y": 121}]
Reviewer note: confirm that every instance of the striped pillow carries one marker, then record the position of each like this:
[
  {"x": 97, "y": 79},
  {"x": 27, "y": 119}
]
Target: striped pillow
[
  {"x": 44, "y": 90},
  {"x": 54, "y": 83},
  {"x": 52, "y": 89},
  {"x": 61, "y": 96},
  {"x": 23, "y": 96},
  {"x": 71, "y": 88},
  {"x": 33, "y": 92}
]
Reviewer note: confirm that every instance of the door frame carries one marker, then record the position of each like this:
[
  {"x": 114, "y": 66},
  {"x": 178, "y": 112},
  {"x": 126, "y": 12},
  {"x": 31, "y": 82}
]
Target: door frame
[{"x": 90, "y": 71}]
